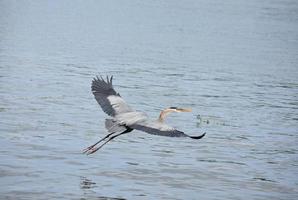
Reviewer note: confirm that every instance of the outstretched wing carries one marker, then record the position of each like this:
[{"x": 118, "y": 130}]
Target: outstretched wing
[
  {"x": 157, "y": 128},
  {"x": 109, "y": 100}
]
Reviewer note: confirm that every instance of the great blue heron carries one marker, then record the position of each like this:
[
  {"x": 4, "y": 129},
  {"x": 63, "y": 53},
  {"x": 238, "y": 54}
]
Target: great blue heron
[{"x": 125, "y": 119}]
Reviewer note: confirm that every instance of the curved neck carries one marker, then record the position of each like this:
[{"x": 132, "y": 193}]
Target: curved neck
[{"x": 163, "y": 114}]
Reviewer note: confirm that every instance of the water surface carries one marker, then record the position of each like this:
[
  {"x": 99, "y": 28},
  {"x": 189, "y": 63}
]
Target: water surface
[{"x": 233, "y": 62}]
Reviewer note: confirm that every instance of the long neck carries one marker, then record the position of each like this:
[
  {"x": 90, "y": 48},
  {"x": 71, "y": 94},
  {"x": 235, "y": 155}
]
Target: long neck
[{"x": 163, "y": 114}]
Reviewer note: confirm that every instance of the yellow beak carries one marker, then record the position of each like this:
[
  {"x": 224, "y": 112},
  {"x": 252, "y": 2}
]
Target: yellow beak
[{"x": 184, "y": 109}]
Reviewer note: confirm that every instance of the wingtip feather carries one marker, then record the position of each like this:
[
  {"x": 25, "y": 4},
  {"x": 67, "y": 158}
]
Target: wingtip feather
[{"x": 198, "y": 137}]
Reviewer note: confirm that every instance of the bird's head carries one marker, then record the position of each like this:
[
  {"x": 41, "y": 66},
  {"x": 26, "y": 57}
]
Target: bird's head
[
  {"x": 169, "y": 110},
  {"x": 175, "y": 109}
]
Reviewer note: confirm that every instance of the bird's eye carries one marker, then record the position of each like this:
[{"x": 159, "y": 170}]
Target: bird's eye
[{"x": 173, "y": 107}]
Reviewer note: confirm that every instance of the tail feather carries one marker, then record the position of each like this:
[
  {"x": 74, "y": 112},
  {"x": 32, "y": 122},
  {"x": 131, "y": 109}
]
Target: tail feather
[{"x": 112, "y": 126}]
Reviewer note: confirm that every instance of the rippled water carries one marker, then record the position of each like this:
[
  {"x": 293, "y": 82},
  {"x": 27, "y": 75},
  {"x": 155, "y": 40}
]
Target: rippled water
[{"x": 233, "y": 62}]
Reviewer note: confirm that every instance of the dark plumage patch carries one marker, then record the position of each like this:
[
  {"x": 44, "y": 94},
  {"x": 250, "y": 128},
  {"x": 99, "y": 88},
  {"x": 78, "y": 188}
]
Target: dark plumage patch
[
  {"x": 173, "y": 107},
  {"x": 109, "y": 100}
]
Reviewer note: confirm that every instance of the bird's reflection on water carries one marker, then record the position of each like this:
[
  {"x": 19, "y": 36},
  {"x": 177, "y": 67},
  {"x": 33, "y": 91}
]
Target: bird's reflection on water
[
  {"x": 103, "y": 198},
  {"x": 86, "y": 185}
]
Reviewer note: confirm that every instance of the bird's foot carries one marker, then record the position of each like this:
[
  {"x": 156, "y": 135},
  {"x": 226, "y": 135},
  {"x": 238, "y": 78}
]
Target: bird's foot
[
  {"x": 88, "y": 149},
  {"x": 92, "y": 150}
]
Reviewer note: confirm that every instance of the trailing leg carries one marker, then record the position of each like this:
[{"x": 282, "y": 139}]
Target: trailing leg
[
  {"x": 93, "y": 150},
  {"x": 91, "y": 147}
]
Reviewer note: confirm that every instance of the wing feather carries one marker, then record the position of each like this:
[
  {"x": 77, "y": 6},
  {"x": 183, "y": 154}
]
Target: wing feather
[
  {"x": 110, "y": 101},
  {"x": 157, "y": 128}
]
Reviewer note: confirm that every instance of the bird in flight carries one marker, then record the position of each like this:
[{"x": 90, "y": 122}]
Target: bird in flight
[{"x": 124, "y": 119}]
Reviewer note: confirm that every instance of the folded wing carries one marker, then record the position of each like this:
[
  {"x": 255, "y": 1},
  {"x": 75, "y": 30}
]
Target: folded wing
[{"x": 109, "y": 100}]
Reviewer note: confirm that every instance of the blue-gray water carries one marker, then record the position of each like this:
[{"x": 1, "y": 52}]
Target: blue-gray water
[{"x": 234, "y": 63}]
